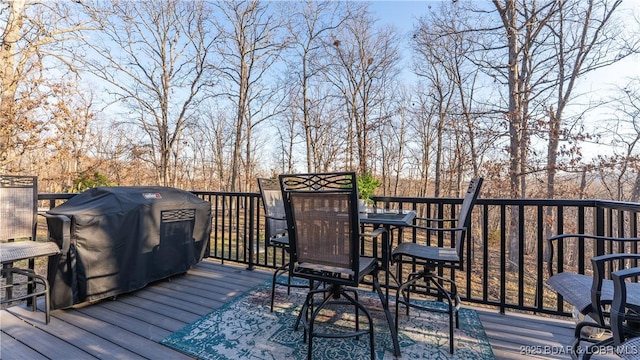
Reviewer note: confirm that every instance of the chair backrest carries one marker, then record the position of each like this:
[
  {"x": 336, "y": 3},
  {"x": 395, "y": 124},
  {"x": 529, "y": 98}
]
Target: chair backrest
[
  {"x": 322, "y": 215},
  {"x": 18, "y": 207},
  {"x": 464, "y": 217},
  {"x": 273, "y": 207}
]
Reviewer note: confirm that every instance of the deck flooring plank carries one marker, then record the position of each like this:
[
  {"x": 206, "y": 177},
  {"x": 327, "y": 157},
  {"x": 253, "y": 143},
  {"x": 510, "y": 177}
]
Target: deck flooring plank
[
  {"x": 88, "y": 342},
  {"x": 45, "y": 343},
  {"x": 201, "y": 299},
  {"x": 131, "y": 325},
  {"x": 160, "y": 308},
  {"x": 248, "y": 278},
  {"x": 136, "y": 326},
  {"x": 149, "y": 316},
  {"x": 245, "y": 277},
  {"x": 211, "y": 286},
  {"x": 126, "y": 340},
  {"x": 116, "y": 328},
  {"x": 216, "y": 285},
  {"x": 177, "y": 302},
  {"x": 205, "y": 291},
  {"x": 14, "y": 349},
  {"x": 231, "y": 279}
]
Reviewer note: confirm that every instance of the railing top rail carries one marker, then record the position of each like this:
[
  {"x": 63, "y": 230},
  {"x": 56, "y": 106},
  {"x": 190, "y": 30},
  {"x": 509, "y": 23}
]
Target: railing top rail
[
  {"x": 501, "y": 201},
  {"x": 225, "y": 193},
  {"x": 56, "y": 196},
  {"x": 616, "y": 205}
]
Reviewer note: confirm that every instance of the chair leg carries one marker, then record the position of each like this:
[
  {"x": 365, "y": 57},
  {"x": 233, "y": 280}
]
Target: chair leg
[
  {"x": 331, "y": 294},
  {"x": 273, "y": 288},
  {"x": 274, "y": 281},
  {"x": 451, "y": 310},
  {"x": 453, "y": 299},
  {"x": 393, "y": 329},
  {"x": 594, "y": 344},
  {"x": 288, "y": 286},
  {"x": 47, "y": 303},
  {"x": 288, "y": 268},
  {"x": 412, "y": 279}
]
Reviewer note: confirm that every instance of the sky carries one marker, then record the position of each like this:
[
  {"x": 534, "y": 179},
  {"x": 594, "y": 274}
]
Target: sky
[{"x": 401, "y": 14}]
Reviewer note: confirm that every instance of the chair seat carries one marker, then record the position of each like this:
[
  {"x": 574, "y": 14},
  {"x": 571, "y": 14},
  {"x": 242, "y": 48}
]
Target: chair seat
[
  {"x": 426, "y": 253},
  {"x": 576, "y": 290},
  {"x": 367, "y": 264},
  {"x": 20, "y": 250}
]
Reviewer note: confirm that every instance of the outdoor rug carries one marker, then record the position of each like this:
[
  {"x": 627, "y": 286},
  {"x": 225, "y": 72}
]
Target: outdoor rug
[{"x": 245, "y": 329}]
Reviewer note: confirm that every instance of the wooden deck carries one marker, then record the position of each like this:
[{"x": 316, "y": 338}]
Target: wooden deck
[{"x": 131, "y": 326}]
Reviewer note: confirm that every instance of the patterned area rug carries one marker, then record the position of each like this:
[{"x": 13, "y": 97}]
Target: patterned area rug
[{"x": 245, "y": 329}]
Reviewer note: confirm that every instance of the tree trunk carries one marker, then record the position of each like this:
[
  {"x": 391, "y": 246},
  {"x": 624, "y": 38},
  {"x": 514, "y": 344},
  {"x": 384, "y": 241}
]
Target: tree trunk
[{"x": 8, "y": 78}]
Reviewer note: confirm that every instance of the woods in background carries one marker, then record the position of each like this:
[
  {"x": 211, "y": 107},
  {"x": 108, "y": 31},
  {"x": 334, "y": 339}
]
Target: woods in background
[{"x": 210, "y": 95}]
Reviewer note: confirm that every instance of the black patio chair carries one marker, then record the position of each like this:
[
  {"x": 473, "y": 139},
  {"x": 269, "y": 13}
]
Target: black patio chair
[
  {"x": 625, "y": 314},
  {"x": 324, "y": 232},
  {"x": 592, "y": 295},
  {"x": 276, "y": 232},
  {"x": 429, "y": 259},
  {"x": 18, "y": 223}
]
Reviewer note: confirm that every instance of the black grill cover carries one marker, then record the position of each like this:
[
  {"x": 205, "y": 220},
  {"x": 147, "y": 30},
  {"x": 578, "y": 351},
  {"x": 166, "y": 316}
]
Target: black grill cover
[{"x": 122, "y": 238}]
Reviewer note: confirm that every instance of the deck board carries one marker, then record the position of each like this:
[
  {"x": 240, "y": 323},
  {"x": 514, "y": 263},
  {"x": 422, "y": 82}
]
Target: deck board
[
  {"x": 45, "y": 343},
  {"x": 13, "y": 349},
  {"x": 71, "y": 332},
  {"x": 130, "y": 326}
]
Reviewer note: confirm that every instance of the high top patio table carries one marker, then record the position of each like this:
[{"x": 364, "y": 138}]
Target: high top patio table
[{"x": 389, "y": 219}]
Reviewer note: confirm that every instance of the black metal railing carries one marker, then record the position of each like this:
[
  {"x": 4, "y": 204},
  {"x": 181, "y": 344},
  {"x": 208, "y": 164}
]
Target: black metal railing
[{"x": 505, "y": 249}]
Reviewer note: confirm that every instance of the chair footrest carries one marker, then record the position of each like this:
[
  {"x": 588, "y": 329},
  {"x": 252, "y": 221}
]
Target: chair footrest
[{"x": 428, "y": 308}]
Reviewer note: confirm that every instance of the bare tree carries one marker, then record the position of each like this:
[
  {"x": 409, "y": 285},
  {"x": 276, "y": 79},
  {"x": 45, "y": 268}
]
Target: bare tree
[
  {"x": 619, "y": 167},
  {"x": 441, "y": 46},
  {"x": 424, "y": 131},
  {"x": 364, "y": 60},
  {"x": 72, "y": 114},
  {"x": 433, "y": 63},
  {"x": 250, "y": 45},
  {"x": 548, "y": 45},
  {"x": 393, "y": 137},
  {"x": 33, "y": 42},
  {"x": 217, "y": 129},
  {"x": 581, "y": 47},
  {"x": 154, "y": 57},
  {"x": 310, "y": 24}
]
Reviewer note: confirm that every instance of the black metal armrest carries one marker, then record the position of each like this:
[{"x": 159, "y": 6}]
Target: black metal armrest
[
  {"x": 438, "y": 229},
  {"x": 64, "y": 231},
  {"x": 599, "y": 275},
  {"x": 620, "y": 301},
  {"x": 432, "y": 220},
  {"x": 374, "y": 233},
  {"x": 589, "y": 236},
  {"x": 562, "y": 237}
]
